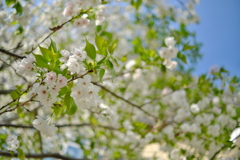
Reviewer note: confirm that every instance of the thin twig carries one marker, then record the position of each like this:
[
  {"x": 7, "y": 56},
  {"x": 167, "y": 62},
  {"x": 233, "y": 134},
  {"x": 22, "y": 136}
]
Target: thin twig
[
  {"x": 30, "y": 155},
  {"x": 14, "y": 70},
  {"x": 125, "y": 100},
  {"x": 57, "y": 28},
  {"x": 216, "y": 153},
  {"x": 11, "y": 54}
]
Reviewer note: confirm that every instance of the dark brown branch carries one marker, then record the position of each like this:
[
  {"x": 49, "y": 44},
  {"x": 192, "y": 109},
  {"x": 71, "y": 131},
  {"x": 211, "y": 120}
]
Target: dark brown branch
[
  {"x": 5, "y": 91},
  {"x": 216, "y": 153},
  {"x": 60, "y": 126},
  {"x": 125, "y": 100},
  {"x": 11, "y": 54},
  {"x": 49, "y": 155}
]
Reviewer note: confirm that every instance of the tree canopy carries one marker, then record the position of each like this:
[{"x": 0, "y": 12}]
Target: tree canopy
[{"x": 109, "y": 79}]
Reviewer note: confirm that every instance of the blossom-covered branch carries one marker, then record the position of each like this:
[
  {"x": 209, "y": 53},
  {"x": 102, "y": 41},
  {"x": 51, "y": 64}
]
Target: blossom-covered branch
[
  {"x": 125, "y": 100},
  {"x": 61, "y": 126}
]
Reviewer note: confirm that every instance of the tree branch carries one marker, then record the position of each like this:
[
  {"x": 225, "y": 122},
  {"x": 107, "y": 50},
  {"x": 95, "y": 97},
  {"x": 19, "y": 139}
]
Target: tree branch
[
  {"x": 49, "y": 155},
  {"x": 125, "y": 100},
  {"x": 11, "y": 54},
  {"x": 55, "y": 29},
  {"x": 5, "y": 91},
  {"x": 61, "y": 126}
]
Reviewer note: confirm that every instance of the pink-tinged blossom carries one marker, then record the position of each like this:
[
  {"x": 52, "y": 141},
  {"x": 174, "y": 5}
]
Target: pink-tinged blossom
[
  {"x": 83, "y": 4},
  {"x": 61, "y": 81},
  {"x": 73, "y": 65},
  {"x": 82, "y": 22},
  {"x": 51, "y": 78},
  {"x": 79, "y": 92},
  {"x": 65, "y": 56},
  {"x": 42, "y": 92},
  {"x": 33, "y": 92},
  {"x": 85, "y": 81},
  {"x": 48, "y": 102},
  {"x": 54, "y": 90},
  {"x": 68, "y": 11},
  {"x": 80, "y": 54},
  {"x": 26, "y": 66}
]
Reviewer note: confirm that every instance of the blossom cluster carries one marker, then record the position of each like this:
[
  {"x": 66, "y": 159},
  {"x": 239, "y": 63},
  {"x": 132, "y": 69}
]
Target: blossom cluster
[
  {"x": 73, "y": 60},
  {"x": 47, "y": 92},
  {"x": 169, "y": 52},
  {"x": 12, "y": 142},
  {"x": 85, "y": 94},
  {"x": 75, "y": 6},
  {"x": 25, "y": 67},
  {"x": 192, "y": 119},
  {"x": 43, "y": 126}
]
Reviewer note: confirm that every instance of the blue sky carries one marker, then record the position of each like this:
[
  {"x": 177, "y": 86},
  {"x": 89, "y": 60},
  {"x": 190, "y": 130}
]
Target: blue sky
[{"x": 219, "y": 31}]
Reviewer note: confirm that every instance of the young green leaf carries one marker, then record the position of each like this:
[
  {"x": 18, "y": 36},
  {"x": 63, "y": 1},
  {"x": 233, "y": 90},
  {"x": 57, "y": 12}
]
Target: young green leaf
[
  {"x": 18, "y": 8},
  {"x": 41, "y": 61},
  {"x": 90, "y": 49},
  {"x": 21, "y": 154},
  {"x": 187, "y": 47},
  {"x": 100, "y": 42},
  {"x": 109, "y": 64},
  {"x": 9, "y": 2},
  {"x": 15, "y": 94},
  {"x": 101, "y": 74},
  {"x": 182, "y": 57},
  {"x": 53, "y": 46}
]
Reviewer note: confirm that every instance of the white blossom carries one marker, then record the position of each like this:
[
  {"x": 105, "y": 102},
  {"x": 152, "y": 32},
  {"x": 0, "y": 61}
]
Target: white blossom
[
  {"x": 43, "y": 126},
  {"x": 194, "y": 108},
  {"x": 170, "y": 42},
  {"x": 12, "y": 142}
]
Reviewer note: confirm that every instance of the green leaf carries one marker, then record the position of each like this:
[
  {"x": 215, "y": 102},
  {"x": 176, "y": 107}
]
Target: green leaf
[
  {"x": 19, "y": 30},
  {"x": 45, "y": 52},
  {"x": 232, "y": 88},
  {"x": 21, "y": 154},
  {"x": 102, "y": 60},
  {"x": 112, "y": 48},
  {"x": 202, "y": 79},
  {"x": 53, "y": 46},
  {"x": 57, "y": 110},
  {"x": 109, "y": 64},
  {"x": 50, "y": 55},
  {"x": 41, "y": 61},
  {"x": 187, "y": 47},
  {"x": 100, "y": 42},
  {"x": 136, "y": 3},
  {"x": 18, "y": 8},
  {"x": 101, "y": 74},
  {"x": 15, "y": 94},
  {"x": 90, "y": 49},
  {"x": 72, "y": 109},
  {"x": 69, "y": 102},
  {"x": 20, "y": 112},
  {"x": 9, "y": 2},
  {"x": 115, "y": 61},
  {"x": 182, "y": 57}
]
